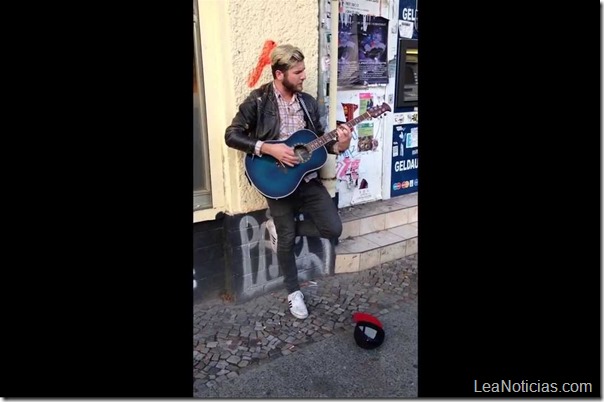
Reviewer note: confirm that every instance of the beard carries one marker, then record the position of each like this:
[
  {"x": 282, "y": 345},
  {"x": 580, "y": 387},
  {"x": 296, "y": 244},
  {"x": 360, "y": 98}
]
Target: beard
[{"x": 291, "y": 87}]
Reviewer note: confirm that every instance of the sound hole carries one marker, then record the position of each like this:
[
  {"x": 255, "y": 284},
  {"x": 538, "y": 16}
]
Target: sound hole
[{"x": 302, "y": 152}]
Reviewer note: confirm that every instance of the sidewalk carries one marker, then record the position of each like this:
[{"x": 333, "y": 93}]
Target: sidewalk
[{"x": 231, "y": 341}]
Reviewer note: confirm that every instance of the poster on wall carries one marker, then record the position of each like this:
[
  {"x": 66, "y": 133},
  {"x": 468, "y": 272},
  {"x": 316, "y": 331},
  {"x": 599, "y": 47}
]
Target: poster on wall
[
  {"x": 365, "y": 137},
  {"x": 404, "y": 178},
  {"x": 359, "y": 180},
  {"x": 362, "y": 51},
  {"x": 365, "y": 102},
  {"x": 365, "y": 7},
  {"x": 359, "y": 168}
]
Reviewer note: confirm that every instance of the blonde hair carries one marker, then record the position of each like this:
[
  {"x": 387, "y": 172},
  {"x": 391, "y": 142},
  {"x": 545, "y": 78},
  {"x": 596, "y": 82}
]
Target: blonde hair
[{"x": 283, "y": 57}]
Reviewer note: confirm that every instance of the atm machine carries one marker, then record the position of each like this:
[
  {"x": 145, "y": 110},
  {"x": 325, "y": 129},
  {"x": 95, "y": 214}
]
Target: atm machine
[{"x": 405, "y": 151}]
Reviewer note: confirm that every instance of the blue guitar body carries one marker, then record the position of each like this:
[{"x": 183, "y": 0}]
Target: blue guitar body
[{"x": 274, "y": 180}]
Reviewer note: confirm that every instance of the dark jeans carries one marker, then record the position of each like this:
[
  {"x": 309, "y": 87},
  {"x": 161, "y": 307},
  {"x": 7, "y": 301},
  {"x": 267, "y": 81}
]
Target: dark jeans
[{"x": 324, "y": 221}]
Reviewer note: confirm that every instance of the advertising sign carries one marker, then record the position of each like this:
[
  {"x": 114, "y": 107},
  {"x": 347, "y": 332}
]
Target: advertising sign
[
  {"x": 408, "y": 19},
  {"x": 405, "y": 159}
]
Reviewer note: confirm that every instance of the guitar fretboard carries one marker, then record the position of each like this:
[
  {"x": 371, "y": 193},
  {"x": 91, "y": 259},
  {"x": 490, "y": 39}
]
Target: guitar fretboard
[{"x": 327, "y": 137}]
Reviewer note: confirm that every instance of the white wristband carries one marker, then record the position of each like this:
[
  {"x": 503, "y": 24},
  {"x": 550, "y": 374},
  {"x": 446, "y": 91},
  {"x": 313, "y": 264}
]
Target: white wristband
[{"x": 257, "y": 148}]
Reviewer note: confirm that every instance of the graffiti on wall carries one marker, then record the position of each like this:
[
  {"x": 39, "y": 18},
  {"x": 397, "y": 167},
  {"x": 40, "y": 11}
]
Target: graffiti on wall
[
  {"x": 236, "y": 258},
  {"x": 259, "y": 268},
  {"x": 263, "y": 60}
]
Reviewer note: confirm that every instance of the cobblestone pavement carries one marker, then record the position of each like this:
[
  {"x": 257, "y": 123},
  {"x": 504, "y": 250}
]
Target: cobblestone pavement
[{"x": 228, "y": 338}]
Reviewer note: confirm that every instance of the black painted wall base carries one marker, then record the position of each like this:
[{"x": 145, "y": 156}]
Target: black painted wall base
[{"x": 233, "y": 257}]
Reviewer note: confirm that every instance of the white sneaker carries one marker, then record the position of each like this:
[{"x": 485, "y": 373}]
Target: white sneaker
[
  {"x": 272, "y": 231},
  {"x": 296, "y": 305}
]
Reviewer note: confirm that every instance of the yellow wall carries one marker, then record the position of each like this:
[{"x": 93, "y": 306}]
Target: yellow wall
[{"x": 233, "y": 33}]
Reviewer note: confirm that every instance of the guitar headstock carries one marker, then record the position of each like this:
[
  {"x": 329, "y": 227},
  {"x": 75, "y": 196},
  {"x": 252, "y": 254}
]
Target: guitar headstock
[{"x": 379, "y": 110}]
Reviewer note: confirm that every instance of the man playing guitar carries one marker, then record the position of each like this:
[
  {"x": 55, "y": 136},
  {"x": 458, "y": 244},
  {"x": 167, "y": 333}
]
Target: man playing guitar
[{"x": 275, "y": 111}]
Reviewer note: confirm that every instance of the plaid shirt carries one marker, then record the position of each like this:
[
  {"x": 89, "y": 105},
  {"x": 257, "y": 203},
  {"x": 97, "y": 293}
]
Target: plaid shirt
[
  {"x": 291, "y": 114},
  {"x": 292, "y": 120}
]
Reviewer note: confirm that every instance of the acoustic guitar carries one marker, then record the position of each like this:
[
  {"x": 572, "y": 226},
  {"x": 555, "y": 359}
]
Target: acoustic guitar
[{"x": 276, "y": 180}]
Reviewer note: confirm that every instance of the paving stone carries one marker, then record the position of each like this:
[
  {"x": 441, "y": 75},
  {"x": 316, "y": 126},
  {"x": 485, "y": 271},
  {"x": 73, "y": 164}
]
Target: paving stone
[
  {"x": 233, "y": 359},
  {"x": 202, "y": 350},
  {"x": 328, "y": 326},
  {"x": 200, "y": 375}
]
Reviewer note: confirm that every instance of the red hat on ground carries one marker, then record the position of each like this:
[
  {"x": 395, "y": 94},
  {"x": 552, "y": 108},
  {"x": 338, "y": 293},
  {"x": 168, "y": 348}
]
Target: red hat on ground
[{"x": 368, "y": 332}]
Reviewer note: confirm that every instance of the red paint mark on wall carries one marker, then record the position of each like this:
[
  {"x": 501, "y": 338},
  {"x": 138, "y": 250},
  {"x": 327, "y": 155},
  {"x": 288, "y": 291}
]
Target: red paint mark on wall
[{"x": 263, "y": 61}]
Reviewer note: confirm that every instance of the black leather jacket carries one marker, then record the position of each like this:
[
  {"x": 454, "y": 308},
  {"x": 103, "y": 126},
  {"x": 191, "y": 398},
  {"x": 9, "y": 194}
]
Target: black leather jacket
[{"x": 258, "y": 119}]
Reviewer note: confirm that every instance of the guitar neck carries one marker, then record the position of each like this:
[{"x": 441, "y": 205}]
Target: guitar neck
[{"x": 332, "y": 135}]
